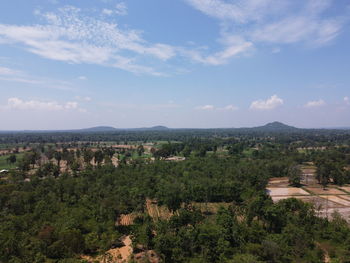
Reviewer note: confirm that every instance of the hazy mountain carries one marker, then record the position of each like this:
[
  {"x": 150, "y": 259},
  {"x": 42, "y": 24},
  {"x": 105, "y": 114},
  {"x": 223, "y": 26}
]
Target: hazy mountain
[
  {"x": 159, "y": 127},
  {"x": 275, "y": 126},
  {"x": 97, "y": 129}
]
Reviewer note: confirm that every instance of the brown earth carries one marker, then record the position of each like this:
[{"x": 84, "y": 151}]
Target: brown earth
[
  {"x": 114, "y": 255},
  {"x": 326, "y": 191}
]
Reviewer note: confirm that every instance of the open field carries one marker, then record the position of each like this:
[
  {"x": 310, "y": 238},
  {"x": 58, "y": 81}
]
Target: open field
[
  {"x": 326, "y": 201},
  {"x": 345, "y": 188},
  {"x": 5, "y": 165},
  {"x": 325, "y": 204},
  {"x": 286, "y": 191},
  {"x": 327, "y": 191},
  {"x": 337, "y": 199}
]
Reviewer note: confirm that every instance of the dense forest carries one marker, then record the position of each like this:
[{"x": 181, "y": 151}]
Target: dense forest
[{"x": 52, "y": 216}]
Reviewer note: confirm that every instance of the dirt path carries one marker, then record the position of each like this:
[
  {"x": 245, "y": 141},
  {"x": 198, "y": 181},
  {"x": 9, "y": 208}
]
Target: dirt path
[{"x": 326, "y": 256}]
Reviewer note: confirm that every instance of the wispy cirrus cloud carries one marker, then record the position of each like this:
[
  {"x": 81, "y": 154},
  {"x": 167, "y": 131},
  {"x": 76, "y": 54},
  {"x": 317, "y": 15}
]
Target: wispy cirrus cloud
[
  {"x": 315, "y": 103},
  {"x": 232, "y": 46},
  {"x": 210, "y": 107},
  {"x": 78, "y": 36},
  {"x": 71, "y": 36},
  {"x": 275, "y": 22},
  {"x": 268, "y": 104},
  {"x": 4, "y": 71},
  {"x": 119, "y": 9},
  {"x": 16, "y": 103},
  {"x": 15, "y": 75}
]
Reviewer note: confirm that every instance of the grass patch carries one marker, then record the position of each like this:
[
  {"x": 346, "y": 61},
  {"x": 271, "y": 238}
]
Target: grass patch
[{"x": 5, "y": 165}]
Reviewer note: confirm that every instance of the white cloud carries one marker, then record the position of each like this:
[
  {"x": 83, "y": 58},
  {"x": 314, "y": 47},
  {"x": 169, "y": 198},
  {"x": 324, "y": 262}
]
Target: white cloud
[
  {"x": 82, "y": 78},
  {"x": 78, "y": 36},
  {"x": 298, "y": 29},
  {"x": 233, "y": 46},
  {"x": 274, "y": 22},
  {"x": 73, "y": 37},
  {"x": 230, "y": 107},
  {"x": 121, "y": 9},
  {"x": 347, "y": 100},
  {"x": 14, "y": 75},
  {"x": 269, "y": 104},
  {"x": 205, "y": 107},
  {"x": 19, "y": 104},
  {"x": 107, "y": 12},
  {"x": 7, "y": 71},
  {"x": 315, "y": 103},
  {"x": 212, "y": 107}
]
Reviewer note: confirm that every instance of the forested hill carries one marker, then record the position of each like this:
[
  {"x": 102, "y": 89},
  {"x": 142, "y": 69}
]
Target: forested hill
[
  {"x": 97, "y": 129},
  {"x": 269, "y": 127},
  {"x": 275, "y": 126},
  {"x": 277, "y": 130}
]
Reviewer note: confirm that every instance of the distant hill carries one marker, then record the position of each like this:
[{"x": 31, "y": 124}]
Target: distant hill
[
  {"x": 97, "y": 129},
  {"x": 111, "y": 129},
  {"x": 276, "y": 127},
  {"x": 153, "y": 128},
  {"x": 159, "y": 127},
  {"x": 272, "y": 127}
]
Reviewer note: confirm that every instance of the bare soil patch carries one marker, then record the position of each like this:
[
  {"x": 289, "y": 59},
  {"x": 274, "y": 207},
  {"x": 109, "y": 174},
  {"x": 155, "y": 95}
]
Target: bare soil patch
[
  {"x": 343, "y": 211},
  {"x": 124, "y": 146},
  {"x": 278, "y": 182},
  {"x": 345, "y": 188},
  {"x": 286, "y": 191},
  {"x": 327, "y": 191},
  {"x": 346, "y": 197},
  {"x": 337, "y": 199},
  {"x": 114, "y": 255}
]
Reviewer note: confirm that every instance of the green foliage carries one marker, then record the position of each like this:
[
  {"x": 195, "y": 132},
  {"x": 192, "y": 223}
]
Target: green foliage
[
  {"x": 294, "y": 175},
  {"x": 56, "y": 217}
]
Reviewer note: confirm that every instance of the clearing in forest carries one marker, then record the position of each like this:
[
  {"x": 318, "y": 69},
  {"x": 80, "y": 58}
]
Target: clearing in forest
[{"x": 326, "y": 201}]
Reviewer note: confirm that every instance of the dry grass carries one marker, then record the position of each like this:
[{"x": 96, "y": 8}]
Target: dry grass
[
  {"x": 157, "y": 212},
  {"x": 126, "y": 219}
]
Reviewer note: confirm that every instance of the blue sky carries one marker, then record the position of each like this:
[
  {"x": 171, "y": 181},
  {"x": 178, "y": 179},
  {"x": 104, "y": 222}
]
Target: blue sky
[{"x": 182, "y": 63}]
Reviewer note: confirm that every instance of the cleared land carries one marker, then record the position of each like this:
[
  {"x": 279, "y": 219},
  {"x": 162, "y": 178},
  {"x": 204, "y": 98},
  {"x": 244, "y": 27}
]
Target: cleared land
[
  {"x": 277, "y": 191},
  {"x": 326, "y": 201},
  {"x": 327, "y": 191}
]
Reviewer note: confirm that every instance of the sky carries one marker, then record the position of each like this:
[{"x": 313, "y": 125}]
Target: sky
[{"x": 180, "y": 63}]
